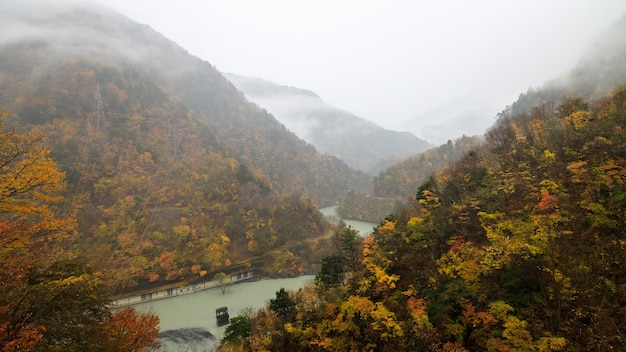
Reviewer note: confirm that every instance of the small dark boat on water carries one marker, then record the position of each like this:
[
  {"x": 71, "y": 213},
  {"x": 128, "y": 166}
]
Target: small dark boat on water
[{"x": 221, "y": 314}]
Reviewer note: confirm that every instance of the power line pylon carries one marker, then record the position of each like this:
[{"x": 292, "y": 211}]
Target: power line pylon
[{"x": 100, "y": 110}]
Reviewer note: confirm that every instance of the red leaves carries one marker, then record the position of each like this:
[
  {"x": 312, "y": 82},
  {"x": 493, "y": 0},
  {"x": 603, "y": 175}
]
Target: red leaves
[
  {"x": 457, "y": 242},
  {"x": 23, "y": 339},
  {"x": 548, "y": 202}
]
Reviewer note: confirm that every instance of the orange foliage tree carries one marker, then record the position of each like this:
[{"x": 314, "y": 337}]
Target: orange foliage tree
[{"x": 132, "y": 331}]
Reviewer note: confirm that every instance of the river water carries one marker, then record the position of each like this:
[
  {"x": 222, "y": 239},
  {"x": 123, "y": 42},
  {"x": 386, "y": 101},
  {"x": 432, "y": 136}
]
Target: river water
[{"x": 187, "y": 322}]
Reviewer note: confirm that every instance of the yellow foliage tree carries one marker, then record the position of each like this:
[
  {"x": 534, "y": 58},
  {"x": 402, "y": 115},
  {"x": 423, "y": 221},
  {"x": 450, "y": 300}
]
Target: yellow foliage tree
[{"x": 29, "y": 229}]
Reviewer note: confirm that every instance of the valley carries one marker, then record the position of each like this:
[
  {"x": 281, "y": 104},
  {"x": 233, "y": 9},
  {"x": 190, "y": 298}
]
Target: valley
[{"x": 133, "y": 174}]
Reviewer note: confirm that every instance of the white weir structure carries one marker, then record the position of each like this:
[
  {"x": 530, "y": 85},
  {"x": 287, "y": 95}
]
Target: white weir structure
[{"x": 179, "y": 291}]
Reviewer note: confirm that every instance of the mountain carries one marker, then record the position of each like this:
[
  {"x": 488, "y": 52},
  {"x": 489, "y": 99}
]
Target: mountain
[
  {"x": 466, "y": 115},
  {"x": 360, "y": 143},
  {"x": 171, "y": 173},
  {"x": 406, "y": 176},
  {"x": 389, "y": 190},
  {"x": 600, "y": 69}
]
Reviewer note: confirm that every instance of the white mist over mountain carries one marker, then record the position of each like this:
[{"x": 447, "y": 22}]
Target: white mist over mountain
[
  {"x": 437, "y": 69},
  {"x": 360, "y": 143}
]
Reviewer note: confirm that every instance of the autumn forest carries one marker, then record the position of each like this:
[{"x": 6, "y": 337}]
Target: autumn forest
[
  {"x": 515, "y": 247},
  {"x": 121, "y": 174}
]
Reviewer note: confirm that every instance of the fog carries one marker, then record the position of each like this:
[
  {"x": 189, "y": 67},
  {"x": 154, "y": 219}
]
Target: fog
[
  {"x": 69, "y": 26},
  {"x": 393, "y": 63},
  {"x": 437, "y": 69}
]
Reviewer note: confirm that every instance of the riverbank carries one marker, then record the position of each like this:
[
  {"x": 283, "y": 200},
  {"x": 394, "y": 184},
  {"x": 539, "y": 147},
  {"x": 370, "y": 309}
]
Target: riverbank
[{"x": 182, "y": 288}]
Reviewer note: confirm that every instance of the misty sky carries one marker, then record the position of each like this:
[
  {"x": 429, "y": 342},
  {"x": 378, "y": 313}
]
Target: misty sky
[{"x": 390, "y": 62}]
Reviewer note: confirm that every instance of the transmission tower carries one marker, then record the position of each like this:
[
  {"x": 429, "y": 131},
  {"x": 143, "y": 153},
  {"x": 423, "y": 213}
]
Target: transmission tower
[{"x": 100, "y": 109}]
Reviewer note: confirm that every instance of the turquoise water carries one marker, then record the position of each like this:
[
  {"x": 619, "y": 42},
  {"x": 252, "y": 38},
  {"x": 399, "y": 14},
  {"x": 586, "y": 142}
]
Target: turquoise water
[{"x": 194, "y": 313}]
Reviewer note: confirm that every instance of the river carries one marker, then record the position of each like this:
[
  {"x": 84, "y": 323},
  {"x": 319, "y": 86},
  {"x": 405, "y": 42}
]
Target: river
[
  {"x": 364, "y": 228},
  {"x": 188, "y": 321}
]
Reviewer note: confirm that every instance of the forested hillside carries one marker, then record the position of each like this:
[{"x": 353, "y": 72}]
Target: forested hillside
[
  {"x": 104, "y": 38},
  {"x": 390, "y": 188},
  {"x": 517, "y": 246},
  {"x": 171, "y": 173},
  {"x": 405, "y": 177}
]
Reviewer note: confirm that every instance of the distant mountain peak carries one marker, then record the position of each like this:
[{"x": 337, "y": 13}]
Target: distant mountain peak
[
  {"x": 359, "y": 142},
  {"x": 259, "y": 87}
]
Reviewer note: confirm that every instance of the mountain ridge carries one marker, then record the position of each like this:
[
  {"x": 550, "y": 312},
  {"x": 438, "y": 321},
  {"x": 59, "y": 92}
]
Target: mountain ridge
[{"x": 361, "y": 143}]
